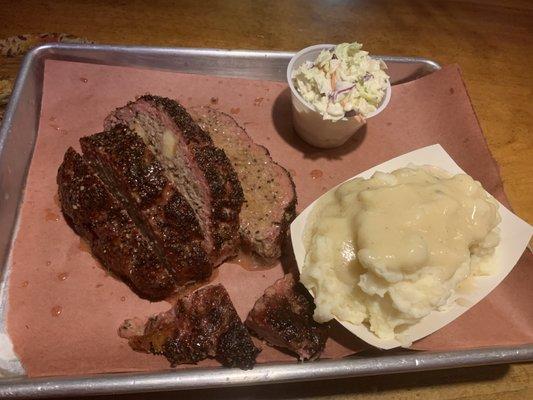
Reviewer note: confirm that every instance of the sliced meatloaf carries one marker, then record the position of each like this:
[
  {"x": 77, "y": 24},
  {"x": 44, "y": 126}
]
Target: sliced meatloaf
[
  {"x": 283, "y": 316},
  {"x": 126, "y": 164},
  {"x": 99, "y": 217},
  {"x": 191, "y": 161},
  {"x": 201, "y": 325},
  {"x": 270, "y": 197}
]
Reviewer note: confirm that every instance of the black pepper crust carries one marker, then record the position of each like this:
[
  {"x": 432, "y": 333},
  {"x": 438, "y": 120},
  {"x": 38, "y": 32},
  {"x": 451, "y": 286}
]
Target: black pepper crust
[
  {"x": 226, "y": 196},
  {"x": 229, "y": 135},
  {"x": 235, "y": 347},
  {"x": 201, "y": 325},
  {"x": 154, "y": 203},
  {"x": 122, "y": 155},
  {"x": 290, "y": 211},
  {"x": 226, "y": 192},
  {"x": 283, "y": 316},
  {"x": 98, "y": 217}
]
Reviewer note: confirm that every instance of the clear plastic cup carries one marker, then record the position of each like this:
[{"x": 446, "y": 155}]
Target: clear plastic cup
[{"x": 308, "y": 123}]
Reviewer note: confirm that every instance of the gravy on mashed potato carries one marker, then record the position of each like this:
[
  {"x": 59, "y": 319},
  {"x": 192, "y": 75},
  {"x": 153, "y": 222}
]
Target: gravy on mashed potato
[{"x": 388, "y": 250}]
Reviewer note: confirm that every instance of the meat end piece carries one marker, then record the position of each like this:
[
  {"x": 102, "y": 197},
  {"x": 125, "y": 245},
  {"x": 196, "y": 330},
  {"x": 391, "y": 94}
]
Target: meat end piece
[
  {"x": 99, "y": 218},
  {"x": 191, "y": 160},
  {"x": 140, "y": 181},
  {"x": 201, "y": 325},
  {"x": 283, "y": 316},
  {"x": 269, "y": 193}
]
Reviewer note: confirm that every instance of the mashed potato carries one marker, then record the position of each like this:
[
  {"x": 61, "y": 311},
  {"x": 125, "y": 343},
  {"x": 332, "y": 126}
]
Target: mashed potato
[{"x": 388, "y": 250}]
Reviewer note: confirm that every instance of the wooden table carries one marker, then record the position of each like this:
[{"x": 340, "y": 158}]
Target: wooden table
[{"x": 491, "y": 40}]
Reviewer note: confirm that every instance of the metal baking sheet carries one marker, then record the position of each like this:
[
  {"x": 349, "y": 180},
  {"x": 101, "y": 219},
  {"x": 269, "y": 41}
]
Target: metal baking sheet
[{"x": 17, "y": 139}]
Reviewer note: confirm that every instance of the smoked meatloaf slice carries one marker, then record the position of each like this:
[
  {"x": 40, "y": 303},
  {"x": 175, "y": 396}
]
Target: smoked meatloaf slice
[
  {"x": 269, "y": 193},
  {"x": 202, "y": 171},
  {"x": 126, "y": 164},
  {"x": 99, "y": 218},
  {"x": 201, "y": 325},
  {"x": 283, "y": 316}
]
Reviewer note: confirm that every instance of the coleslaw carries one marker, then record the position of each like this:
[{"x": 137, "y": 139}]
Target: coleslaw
[{"x": 342, "y": 82}]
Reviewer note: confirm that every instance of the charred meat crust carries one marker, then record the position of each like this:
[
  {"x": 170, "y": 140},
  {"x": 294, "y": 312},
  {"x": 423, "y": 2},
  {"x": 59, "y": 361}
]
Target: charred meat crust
[
  {"x": 98, "y": 217},
  {"x": 225, "y": 197},
  {"x": 226, "y": 191},
  {"x": 283, "y": 316},
  {"x": 157, "y": 207},
  {"x": 201, "y": 325},
  {"x": 120, "y": 152},
  {"x": 235, "y": 141},
  {"x": 226, "y": 201},
  {"x": 235, "y": 347}
]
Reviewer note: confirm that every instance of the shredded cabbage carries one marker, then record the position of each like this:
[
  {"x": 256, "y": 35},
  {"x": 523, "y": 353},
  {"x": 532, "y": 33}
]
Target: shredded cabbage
[{"x": 342, "y": 80}]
